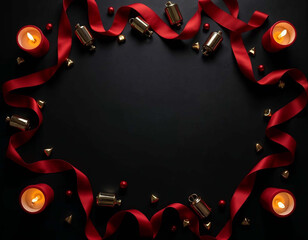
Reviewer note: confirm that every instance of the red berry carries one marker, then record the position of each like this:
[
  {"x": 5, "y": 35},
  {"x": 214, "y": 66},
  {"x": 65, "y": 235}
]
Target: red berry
[
  {"x": 123, "y": 184},
  {"x": 222, "y": 203},
  {"x": 261, "y": 68},
  {"x": 206, "y": 26},
  {"x": 110, "y": 11},
  {"x": 48, "y": 26},
  {"x": 173, "y": 228},
  {"x": 69, "y": 193}
]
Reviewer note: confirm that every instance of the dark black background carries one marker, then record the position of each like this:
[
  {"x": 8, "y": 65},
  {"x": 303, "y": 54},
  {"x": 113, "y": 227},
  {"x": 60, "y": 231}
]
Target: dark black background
[{"x": 155, "y": 113}]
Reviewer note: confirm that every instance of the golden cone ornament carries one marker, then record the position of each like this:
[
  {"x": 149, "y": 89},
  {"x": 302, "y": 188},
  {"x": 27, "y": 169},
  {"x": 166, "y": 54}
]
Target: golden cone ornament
[
  {"x": 69, "y": 219},
  {"x": 285, "y": 174},
  {"x": 258, "y": 147},
  {"x": 281, "y": 84},
  {"x": 20, "y": 60},
  {"x": 196, "y": 46},
  {"x": 69, "y": 62},
  {"x": 186, "y": 223},
  {"x": 245, "y": 222},
  {"x": 267, "y": 112},
  {"x": 208, "y": 225},
  {"x": 40, "y": 103},
  {"x": 154, "y": 199},
  {"x": 252, "y": 51},
  {"x": 48, "y": 151}
]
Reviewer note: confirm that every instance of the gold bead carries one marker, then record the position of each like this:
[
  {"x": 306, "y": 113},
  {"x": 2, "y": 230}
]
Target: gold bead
[
  {"x": 285, "y": 174},
  {"x": 20, "y": 60},
  {"x": 48, "y": 151},
  {"x": 40, "y": 103},
  {"x": 258, "y": 147},
  {"x": 121, "y": 38},
  {"x": 267, "y": 112},
  {"x": 245, "y": 222},
  {"x": 186, "y": 223},
  {"x": 207, "y": 225},
  {"x": 196, "y": 46},
  {"x": 69, "y": 62},
  {"x": 7, "y": 119},
  {"x": 154, "y": 199},
  {"x": 252, "y": 51},
  {"x": 281, "y": 84},
  {"x": 69, "y": 219}
]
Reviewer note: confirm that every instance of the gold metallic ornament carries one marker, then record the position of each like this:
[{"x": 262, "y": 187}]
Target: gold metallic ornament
[
  {"x": 186, "y": 223},
  {"x": 18, "y": 122},
  {"x": 196, "y": 46},
  {"x": 40, "y": 103},
  {"x": 48, "y": 151},
  {"x": 245, "y": 222},
  {"x": 141, "y": 26},
  {"x": 173, "y": 14},
  {"x": 258, "y": 147},
  {"x": 69, "y": 62},
  {"x": 207, "y": 225},
  {"x": 20, "y": 60},
  {"x": 252, "y": 51},
  {"x": 212, "y": 43},
  {"x": 69, "y": 219},
  {"x": 107, "y": 200},
  {"x": 285, "y": 174},
  {"x": 154, "y": 199},
  {"x": 121, "y": 38},
  {"x": 199, "y": 206},
  {"x": 267, "y": 112},
  {"x": 84, "y": 36},
  {"x": 281, "y": 84}
]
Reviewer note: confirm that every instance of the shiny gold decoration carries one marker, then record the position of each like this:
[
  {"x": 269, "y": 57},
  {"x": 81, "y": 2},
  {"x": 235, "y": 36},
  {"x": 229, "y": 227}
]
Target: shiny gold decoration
[
  {"x": 258, "y": 147},
  {"x": 18, "y": 122},
  {"x": 245, "y": 222},
  {"x": 107, "y": 200},
  {"x": 154, "y": 199},
  {"x": 48, "y": 151},
  {"x": 252, "y": 51},
  {"x": 196, "y": 46},
  {"x": 121, "y": 38},
  {"x": 141, "y": 26},
  {"x": 281, "y": 84},
  {"x": 186, "y": 223},
  {"x": 69, "y": 219},
  {"x": 69, "y": 62},
  {"x": 20, "y": 60},
  {"x": 84, "y": 36},
  {"x": 173, "y": 14},
  {"x": 212, "y": 43},
  {"x": 40, "y": 103},
  {"x": 208, "y": 225},
  {"x": 285, "y": 174},
  {"x": 267, "y": 112},
  {"x": 199, "y": 206}
]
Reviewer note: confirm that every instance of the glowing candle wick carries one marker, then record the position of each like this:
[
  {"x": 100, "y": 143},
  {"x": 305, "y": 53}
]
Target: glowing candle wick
[
  {"x": 34, "y": 200},
  {"x": 29, "y": 35},
  {"x": 282, "y": 34},
  {"x": 281, "y": 205}
]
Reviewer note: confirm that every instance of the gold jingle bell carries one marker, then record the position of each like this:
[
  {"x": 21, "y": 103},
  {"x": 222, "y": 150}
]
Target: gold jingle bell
[
  {"x": 285, "y": 174},
  {"x": 18, "y": 122},
  {"x": 267, "y": 112},
  {"x": 281, "y": 84},
  {"x": 69, "y": 219},
  {"x": 107, "y": 200},
  {"x": 196, "y": 46},
  {"x": 212, "y": 43},
  {"x": 84, "y": 36},
  {"x": 40, "y": 103},
  {"x": 258, "y": 147},
  {"x": 186, "y": 223},
  {"x": 207, "y": 225},
  {"x": 20, "y": 60},
  {"x": 141, "y": 26},
  {"x": 252, "y": 51},
  {"x": 121, "y": 38},
  {"x": 154, "y": 198},
  {"x": 245, "y": 222},
  {"x": 69, "y": 62},
  {"x": 173, "y": 14},
  {"x": 48, "y": 151},
  {"x": 199, "y": 206}
]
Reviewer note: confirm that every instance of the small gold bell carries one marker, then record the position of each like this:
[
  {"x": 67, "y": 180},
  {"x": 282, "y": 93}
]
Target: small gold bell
[
  {"x": 246, "y": 222},
  {"x": 199, "y": 206},
  {"x": 267, "y": 112},
  {"x": 69, "y": 62},
  {"x": 207, "y": 225},
  {"x": 48, "y": 151},
  {"x": 281, "y": 84},
  {"x": 196, "y": 46},
  {"x": 154, "y": 199},
  {"x": 20, "y": 60},
  {"x": 18, "y": 122},
  {"x": 186, "y": 223},
  {"x": 252, "y": 51},
  {"x": 107, "y": 200},
  {"x": 121, "y": 38},
  {"x": 258, "y": 147},
  {"x": 40, "y": 103},
  {"x": 69, "y": 219},
  {"x": 285, "y": 174}
]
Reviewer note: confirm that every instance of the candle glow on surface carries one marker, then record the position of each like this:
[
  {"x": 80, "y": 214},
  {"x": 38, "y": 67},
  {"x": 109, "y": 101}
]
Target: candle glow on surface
[
  {"x": 283, "y": 203},
  {"x": 32, "y": 200}
]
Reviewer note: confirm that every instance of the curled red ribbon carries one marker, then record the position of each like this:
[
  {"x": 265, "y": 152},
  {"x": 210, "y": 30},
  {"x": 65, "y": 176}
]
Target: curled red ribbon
[{"x": 229, "y": 21}]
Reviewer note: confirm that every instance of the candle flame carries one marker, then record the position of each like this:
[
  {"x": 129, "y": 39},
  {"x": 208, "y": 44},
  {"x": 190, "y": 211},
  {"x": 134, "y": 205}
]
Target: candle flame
[
  {"x": 281, "y": 205},
  {"x": 282, "y": 34},
  {"x": 31, "y": 38},
  {"x": 34, "y": 200}
]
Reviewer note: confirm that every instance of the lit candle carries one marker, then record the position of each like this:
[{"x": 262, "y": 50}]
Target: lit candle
[
  {"x": 280, "y": 202},
  {"x": 31, "y": 39},
  {"x": 281, "y": 35},
  {"x": 35, "y": 198}
]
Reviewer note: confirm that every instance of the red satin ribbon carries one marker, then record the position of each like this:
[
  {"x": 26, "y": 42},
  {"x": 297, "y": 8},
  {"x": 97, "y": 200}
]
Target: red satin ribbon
[{"x": 229, "y": 21}]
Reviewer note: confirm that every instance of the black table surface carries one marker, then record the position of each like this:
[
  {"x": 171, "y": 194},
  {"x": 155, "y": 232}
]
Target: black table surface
[{"x": 156, "y": 114}]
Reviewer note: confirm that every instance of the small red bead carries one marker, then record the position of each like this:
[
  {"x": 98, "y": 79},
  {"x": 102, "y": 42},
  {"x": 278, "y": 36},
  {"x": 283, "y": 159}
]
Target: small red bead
[
  {"x": 110, "y": 11},
  {"x": 261, "y": 68},
  {"x": 48, "y": 26},
  {"x": 69, "y": 193},
  {"x": 206, "y": 26},
  {"x": 173, "y": 228},
  {"x": 222, "y": 203},
  {"x": 123, "y": 184}
]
